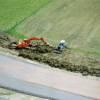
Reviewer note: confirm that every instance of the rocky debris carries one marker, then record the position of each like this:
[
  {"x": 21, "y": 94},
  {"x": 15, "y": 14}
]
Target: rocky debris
[
  {"x": 4, "y": 40},
  {"x": 66, "y": 59},
  {"x": 41, "y": 49}
]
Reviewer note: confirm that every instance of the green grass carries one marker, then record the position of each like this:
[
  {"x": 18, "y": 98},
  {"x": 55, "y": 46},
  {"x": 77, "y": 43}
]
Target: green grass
[
  {"x": 95, "y": 53},
  {"x": 16, "y": 34},
  {"x": 76, "y": 21},
  {"x": 14, "y": 11}
]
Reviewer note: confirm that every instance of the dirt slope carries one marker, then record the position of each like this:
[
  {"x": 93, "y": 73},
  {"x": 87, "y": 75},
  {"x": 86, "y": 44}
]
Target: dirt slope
[{"x": 5, "y": 39}]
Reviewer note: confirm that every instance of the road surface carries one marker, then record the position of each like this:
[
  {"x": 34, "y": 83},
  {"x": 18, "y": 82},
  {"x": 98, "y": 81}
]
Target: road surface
[{"x": 38, "y": 80}]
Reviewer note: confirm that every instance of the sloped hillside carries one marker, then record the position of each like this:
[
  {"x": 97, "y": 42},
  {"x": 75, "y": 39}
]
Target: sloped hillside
[
  {"x": 12, "y": 12},
  {"x": 76, "y": 21}
]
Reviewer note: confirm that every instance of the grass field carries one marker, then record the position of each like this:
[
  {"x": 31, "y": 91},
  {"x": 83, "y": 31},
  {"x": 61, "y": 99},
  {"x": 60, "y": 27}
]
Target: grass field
[
  {"x": 14, "y": 11},
  {"x": 76, "y": 21}
]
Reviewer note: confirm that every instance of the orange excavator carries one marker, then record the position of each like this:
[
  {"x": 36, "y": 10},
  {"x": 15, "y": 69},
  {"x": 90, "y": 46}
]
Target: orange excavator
[{"x": 29, "y": 43}]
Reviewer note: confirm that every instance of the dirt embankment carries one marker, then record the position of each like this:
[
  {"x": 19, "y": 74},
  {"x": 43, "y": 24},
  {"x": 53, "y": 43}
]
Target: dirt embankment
[
  {"x": 5, "y": 39},
  {"x": 68, "y": 59}
]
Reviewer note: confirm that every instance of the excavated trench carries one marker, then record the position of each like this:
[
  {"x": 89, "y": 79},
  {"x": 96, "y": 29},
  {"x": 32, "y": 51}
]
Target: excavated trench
[{"x": 67, "y": 59}]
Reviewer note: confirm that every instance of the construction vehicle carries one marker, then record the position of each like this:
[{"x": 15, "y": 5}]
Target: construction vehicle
[
  {"x": 39, "y": 45},
  {"x": 26, "y": 43}
]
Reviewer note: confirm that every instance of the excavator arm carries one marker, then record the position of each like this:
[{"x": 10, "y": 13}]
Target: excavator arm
[{"x": 27, "y": 42}]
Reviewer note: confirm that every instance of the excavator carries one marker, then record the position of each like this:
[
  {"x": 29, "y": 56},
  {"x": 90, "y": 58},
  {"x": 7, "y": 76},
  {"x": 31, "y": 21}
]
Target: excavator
[
  {"x": 39, "y": 45},
  {"x": 26, "y": 43}
]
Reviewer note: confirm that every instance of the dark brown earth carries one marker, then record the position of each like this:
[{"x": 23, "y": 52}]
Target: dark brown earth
[
  {"x": 6, "y": 39},
  {"x": 67, "y": 59}
]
